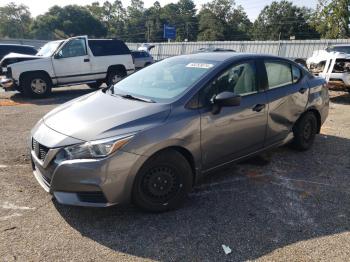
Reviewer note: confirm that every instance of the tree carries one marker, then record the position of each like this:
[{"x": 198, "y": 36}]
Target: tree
[
  {"x": 223, "y": 20},
  {"x": 188, "y": 23},
  {"x": 135, "y": 25},
  {"x": 332, "y": 19},
  {"x": 281, "y": 20},
  {"x": 112, "y": 15},
  {"x": 15, "y": 21},
  {"x": 71, "y": 20}
]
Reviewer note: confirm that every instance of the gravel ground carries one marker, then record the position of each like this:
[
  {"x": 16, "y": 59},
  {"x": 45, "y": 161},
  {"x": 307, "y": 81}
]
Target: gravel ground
[{"x": 294, "y": 208}]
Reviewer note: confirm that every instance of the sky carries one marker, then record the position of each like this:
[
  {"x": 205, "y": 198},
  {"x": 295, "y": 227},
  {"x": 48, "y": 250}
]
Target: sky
[{"x": 252, "y": 7}]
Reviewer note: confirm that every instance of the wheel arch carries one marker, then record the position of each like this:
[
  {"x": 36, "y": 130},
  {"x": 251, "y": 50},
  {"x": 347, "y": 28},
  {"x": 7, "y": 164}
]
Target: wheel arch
[
  {"x": 24, "y": 74},
  {"x": 118, "y": 67},
  {"x": 317, "y": 115}
]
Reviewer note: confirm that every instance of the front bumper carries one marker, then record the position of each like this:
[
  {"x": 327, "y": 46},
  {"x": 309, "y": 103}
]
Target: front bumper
[
  {"x": 7, "y": 83},
  {"x": 82, "y": 182}
]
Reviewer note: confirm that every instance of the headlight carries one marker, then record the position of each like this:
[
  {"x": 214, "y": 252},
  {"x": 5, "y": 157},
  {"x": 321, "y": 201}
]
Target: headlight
[{"x": 93, "y": 149}]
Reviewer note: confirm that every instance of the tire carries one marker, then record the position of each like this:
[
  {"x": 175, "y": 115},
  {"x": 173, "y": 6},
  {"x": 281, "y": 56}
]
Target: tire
[
  {"x": 163, "y": 182},
  {"x": 114, "y": 76},
  {"x": 95, "y": 85},
  {"x": 37, "y": 85},
  {"x": 305, "y": 131}
]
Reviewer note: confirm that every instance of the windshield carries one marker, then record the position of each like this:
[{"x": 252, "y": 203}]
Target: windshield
[
  {"x": 165, "y": 80},
  {"x": 49, "y": 48}
]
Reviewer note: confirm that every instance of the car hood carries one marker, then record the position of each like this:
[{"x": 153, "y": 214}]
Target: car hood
[
  {"x": 99, "y": 115},
  {"x": 18, "y": 58}
]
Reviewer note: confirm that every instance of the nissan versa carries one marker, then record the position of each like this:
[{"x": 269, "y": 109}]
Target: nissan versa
[{"x": 149, "y": 138}]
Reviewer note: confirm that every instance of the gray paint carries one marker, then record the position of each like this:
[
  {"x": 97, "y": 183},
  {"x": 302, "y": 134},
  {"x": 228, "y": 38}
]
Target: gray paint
[{"x": 211, "y": 140}]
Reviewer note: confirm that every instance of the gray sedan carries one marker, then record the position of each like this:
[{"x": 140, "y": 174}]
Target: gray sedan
[{"x": 151, "y": 137}]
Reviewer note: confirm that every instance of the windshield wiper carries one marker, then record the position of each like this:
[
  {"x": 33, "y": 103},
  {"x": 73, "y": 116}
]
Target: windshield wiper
[{"x": 137, "y": 98}]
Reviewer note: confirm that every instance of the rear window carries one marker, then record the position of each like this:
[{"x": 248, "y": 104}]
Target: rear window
[
  {"x": 108, "y": 47},
  {"x": 278, "y": 74}
]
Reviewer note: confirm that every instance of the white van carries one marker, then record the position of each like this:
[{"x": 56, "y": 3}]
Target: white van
[{"x": 66, "y": 62}]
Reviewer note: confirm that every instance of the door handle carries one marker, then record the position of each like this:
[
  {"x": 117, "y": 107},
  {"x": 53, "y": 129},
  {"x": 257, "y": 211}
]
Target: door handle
[
  {"x": 86, "y": 60},
  {"x": 258, "y": 107},
  {"x": 302, "y": 90}
]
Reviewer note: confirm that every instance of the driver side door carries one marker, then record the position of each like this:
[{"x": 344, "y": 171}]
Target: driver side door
[
  {"x": 235, "y": 131},
  {"x": 72, "y": 62}
]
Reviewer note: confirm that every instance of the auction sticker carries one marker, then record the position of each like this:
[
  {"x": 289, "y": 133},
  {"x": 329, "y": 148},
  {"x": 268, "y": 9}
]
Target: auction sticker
[{"x": 200, "y": 65}]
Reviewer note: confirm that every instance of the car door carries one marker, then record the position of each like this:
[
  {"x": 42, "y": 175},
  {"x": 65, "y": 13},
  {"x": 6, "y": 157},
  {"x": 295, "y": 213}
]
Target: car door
[
  {"x": 72, "y": 62},
  {"x": 238, "y": 130},
  {"x": 287, "y": 94}
]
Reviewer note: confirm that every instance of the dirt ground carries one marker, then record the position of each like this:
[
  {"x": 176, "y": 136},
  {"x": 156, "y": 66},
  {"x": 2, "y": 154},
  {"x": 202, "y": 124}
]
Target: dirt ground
[{"x": 295, "y": 208}]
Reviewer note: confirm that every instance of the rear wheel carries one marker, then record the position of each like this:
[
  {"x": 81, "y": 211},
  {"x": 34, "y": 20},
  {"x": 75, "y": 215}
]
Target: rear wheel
[
  {"x": 114, "y": 76},
  {"x": 95, "y": 85},
  {"x": 305, "y": 131},
  {"x": 37, "y": 85},
  {"x": 163, "y": 182}
]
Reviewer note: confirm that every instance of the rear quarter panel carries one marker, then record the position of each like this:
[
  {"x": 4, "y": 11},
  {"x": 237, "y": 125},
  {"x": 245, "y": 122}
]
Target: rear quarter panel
[{"x": 318, "y": 97}]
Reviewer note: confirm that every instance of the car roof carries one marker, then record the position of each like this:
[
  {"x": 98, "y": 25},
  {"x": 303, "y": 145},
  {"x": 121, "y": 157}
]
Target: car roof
[{"x": 223, "y": 56}]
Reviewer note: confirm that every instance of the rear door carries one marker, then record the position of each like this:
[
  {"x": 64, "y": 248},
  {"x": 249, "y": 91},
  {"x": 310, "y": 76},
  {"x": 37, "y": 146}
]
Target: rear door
[
  {"x": 287, "y": 94},
  {"x": 72, "y": 62},
  {"x": 237, "y": 130}
]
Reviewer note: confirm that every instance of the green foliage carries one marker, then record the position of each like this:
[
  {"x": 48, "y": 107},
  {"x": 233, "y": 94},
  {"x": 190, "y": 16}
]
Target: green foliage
[
  {"x": 332, "y": 18},
  {"x": 281, "y": 20},
  {"x": 223, "y": 20},
  {"x": 216, "y": 20},
  {"x": 15, "y": 21},
  {"x": 70, "y": 20}
]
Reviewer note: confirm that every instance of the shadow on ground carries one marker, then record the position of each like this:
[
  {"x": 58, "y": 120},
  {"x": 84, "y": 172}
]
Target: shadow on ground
[
  {"x": 58, "y": 96},
  {"x": 343, "y": 99},
  {"x": 254, "y": 209}
]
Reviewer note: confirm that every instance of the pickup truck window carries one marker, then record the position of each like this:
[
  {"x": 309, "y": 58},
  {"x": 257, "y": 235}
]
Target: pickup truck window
[
  {"x": 107, "y": 47},
  {"x": 75, "y": 47}
]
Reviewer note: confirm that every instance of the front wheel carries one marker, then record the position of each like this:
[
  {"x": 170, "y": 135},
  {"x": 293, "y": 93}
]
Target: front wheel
[
  {"x": 163, "y": 182},
  {"x": 305, "y": 131},
  {"x": 37, "y": 85}
]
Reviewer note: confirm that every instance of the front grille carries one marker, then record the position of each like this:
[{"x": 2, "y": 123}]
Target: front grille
[
  {"x": 92, "y": 197},
  {"x": 39, "y": 149}
]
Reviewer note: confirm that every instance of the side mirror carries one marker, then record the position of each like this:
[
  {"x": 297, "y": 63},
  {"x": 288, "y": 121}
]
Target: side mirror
[{"x": 225, "y": 99}]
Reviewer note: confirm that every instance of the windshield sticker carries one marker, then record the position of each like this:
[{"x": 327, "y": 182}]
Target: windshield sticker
[{"x": 200, "y": 65}]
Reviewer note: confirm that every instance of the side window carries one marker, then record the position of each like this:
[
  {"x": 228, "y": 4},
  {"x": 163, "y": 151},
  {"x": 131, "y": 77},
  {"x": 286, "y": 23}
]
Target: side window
[
  {"x": 296, "y": 74},
  {"x": 278, "y": 74},
  {"x": 239, "y": 79},
  {"x": 75, "y": 47}
]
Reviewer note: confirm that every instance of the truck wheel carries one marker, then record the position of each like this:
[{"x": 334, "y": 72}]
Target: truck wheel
[
  {"x": 37, "y": 85},
  {"x": 114, "y": 77},
  {"x": 95, "y": 85},
  {"x": 163, "y": 182},
  {"x": 305, "y": 131}
]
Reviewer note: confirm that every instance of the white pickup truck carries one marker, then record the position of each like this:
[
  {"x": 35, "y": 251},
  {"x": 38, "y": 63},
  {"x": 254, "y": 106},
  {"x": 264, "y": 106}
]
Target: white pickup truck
[{"x": 68, "y": 62}]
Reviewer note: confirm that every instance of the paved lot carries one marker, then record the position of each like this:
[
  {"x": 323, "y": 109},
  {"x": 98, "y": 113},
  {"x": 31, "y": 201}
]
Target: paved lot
[{"x": 297, "y": 207}]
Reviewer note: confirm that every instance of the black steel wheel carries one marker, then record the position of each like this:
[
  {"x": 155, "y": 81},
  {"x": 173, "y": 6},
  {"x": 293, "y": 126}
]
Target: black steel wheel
[
  {"x": 305, "y": 131},
  {"x": 163, "y": 182}
]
